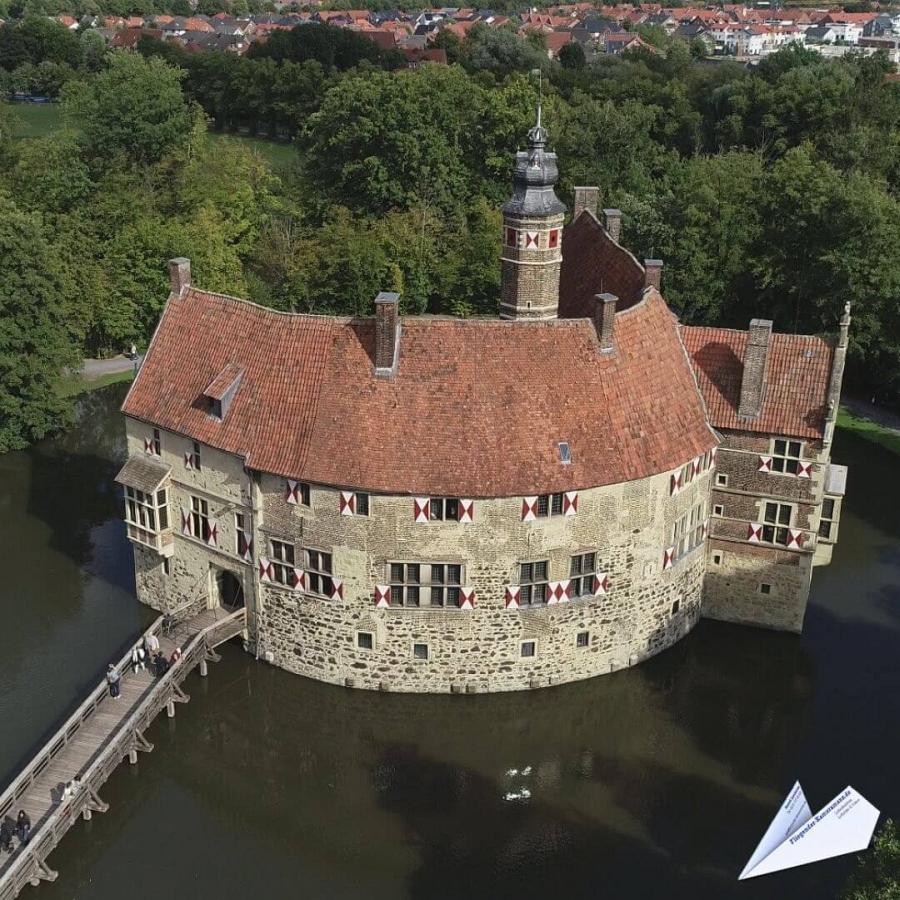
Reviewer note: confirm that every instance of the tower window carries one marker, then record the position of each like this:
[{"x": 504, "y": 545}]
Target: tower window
[
  {"x": 512, "y": 237},
  {"x": 553, "y": 238}
]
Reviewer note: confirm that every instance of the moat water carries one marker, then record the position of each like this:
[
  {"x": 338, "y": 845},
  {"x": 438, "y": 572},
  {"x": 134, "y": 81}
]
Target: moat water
[{"x": 656, "y": 782}]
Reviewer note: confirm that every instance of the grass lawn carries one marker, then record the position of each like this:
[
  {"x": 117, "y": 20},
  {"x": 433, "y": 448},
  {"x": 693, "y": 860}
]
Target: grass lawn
[
  {"x": 871, "y": 431},
  {"x": 73, "y": 385},
  {"x": 39, "y": 120}
]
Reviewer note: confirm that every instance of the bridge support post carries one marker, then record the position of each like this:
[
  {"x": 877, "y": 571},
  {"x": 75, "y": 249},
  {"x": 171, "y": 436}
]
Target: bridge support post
[
  {"x": 204, "y": 668},
  {"x": 132, "y": 756},
  {"x": 170, "y": 709}
]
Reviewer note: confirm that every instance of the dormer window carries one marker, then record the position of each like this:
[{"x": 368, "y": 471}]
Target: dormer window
[{"x": 221, "y": 391}]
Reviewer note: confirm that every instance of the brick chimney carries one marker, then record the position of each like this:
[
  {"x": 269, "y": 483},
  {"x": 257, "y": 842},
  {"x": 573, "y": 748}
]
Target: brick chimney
[
  {"x": 653, "y": 273},
  {"x": 179, "y": 275},
  {"x": 387, "y": 333},
  {"x": 605, "y": 321},
  {"x": 753, "y": 381},
  {"x": 586, "y": 198},
  {"x": 613, "y": 219}
]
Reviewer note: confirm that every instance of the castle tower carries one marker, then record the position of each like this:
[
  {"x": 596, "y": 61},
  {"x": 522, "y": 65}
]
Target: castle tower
[{"x": 532, "y": 234}]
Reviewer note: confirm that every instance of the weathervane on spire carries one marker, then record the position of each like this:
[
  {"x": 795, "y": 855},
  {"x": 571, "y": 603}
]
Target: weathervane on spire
[{"x": 538, "y": 135}]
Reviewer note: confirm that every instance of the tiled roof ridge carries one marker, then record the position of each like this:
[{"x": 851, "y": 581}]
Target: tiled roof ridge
[{"x": 215, "y": 295}]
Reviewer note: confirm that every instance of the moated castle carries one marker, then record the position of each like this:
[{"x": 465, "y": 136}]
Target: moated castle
[{"x": 435, "y": 504}]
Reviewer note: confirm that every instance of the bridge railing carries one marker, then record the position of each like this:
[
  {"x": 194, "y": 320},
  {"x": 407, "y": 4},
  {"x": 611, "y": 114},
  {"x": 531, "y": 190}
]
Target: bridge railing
[
  {"x": 39, "y": 762},
  {"x": 25, "y": 868}
]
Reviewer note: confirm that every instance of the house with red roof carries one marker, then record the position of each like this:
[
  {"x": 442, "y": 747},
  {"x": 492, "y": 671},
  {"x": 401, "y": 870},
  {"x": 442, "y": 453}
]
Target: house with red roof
[{"x": 434, "y": 504}]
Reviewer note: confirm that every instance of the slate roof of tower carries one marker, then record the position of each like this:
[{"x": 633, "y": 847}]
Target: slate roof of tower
[
  {"x": 798, "y": 373},
  {"x": 476, "y": 409}
]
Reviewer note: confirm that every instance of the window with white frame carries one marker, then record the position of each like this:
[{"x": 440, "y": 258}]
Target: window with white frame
[
  {"x": 365, "y": 640},
  {"x": 549, "y": 505},
  {"x": 776, "y": 522},
  {"x": 242, "y": 534},
  {"x": 200, "y": 518},
  {"x": 146, "y": 515},
  {"x": 582, "y": 568},
  {"x": 533, "y": 582},
  {"x": 786, "y": 456},
  {"x": 362, "y": 504},
  {"x": 282, "y": 560},
  {"x": 721, "y": 479},
  {"x": 687, "y": 532},
  {"x": 827, "y": 518},
  {"x": 528, "y": 649},
  {"x": 425, "y": 584},
  {"x": 194, "y": 456},
  {"x": 318, "y": 572},
  {"x": 156, "y": 443},
  {"x": 443, "y": 509},
  {"x": 686, "y": 475},
  {"x": 304, "y": 492}
]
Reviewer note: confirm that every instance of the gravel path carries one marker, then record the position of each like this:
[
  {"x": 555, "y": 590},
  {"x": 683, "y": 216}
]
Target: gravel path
[{"x": 96, "y": 368}]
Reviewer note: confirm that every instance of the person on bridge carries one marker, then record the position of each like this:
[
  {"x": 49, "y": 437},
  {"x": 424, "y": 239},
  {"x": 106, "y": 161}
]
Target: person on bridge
[
  {"x": 151, "y": 645},
  {"x": 23, "y": 826},
  {"x": 112, "y": 679},
  {"x": 138, "y": 658},
  {"x": 160, "y": 665},
  {"x": 6, "y": 836},
  {"x": 176, "y": 655}
]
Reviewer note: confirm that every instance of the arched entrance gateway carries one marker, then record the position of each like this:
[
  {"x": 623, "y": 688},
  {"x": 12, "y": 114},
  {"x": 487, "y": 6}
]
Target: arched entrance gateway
[{"x": 230, "y": 590}]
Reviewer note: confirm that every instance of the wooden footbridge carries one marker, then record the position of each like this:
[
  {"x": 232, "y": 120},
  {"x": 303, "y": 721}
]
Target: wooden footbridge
[{"x": 95, "y": 739}]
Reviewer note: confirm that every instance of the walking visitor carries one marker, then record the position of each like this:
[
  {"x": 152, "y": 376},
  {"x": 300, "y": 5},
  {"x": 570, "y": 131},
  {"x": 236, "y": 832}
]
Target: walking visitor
[
  {"x": 23, "y": 826},
  {"x": 112, "y": 679}
]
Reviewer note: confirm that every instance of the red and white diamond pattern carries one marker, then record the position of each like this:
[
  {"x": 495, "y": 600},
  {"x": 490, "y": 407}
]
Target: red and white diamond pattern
[
  {"x": 804, "y": 470},
  {"x": 297, "y": 579},
  {"x": 421, "y": 509},
  {"x": 601, "y": 584},
  {"x": 466, "y": 598},
  {"x": 292, "y": 493},
  {"x": 266, "y": 569},
  {"x": 531, "y": 239},
  {"x": 511, "y": 598},
  {"x": 213, "y": 539},
  {"x": 467, "y": 511},
  {"x": 668, "y": 558},
  {"x": 382, "y": 595},
  {"x": 245, "y": 546},
  {"x": 570, "y": 503},
  {"x": 557, "y": 592},
  {"x": 337, "y": 589},
  {"x": 529, "y": 509},
  {"x": 189, "y": 460},
  {"x": 348, "y": 503},
  {"x": 764, "y": 465},
  {"x": 675, "y": 482},
  {"x": 795, "y": 538},
  {"x": 754, "y": 532},
  {"x": 187, "y": 522}
]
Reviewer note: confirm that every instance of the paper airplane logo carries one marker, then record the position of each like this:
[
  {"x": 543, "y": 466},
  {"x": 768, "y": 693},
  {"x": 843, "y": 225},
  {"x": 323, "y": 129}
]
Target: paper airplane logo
[{"x": 797, "y": 837}]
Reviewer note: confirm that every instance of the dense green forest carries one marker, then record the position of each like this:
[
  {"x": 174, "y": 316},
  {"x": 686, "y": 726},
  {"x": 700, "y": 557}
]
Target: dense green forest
[{"x": 771, "y": 192}]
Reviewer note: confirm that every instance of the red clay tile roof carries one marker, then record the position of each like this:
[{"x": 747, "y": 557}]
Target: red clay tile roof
[
  {"x": 475, "y": 410},
  {"x": 219, "y": 386},
  {"x": 593, "y": 264},
  {"x": 798, "y": 374}
]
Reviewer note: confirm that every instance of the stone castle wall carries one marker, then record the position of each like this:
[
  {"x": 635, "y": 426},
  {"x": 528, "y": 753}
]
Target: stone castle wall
[
  {"x": 645, "y": 610},
  {"x": 755, "y": 584}
]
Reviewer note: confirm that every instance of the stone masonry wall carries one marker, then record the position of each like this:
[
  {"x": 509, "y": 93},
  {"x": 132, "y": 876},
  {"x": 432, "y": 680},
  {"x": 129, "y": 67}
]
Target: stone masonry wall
[
  {"x": 190, "y": 584},
  {"x": 480, "y": 650},
  {"x": 738, "y": 571},
  {"x": 530, "y": 277}
]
